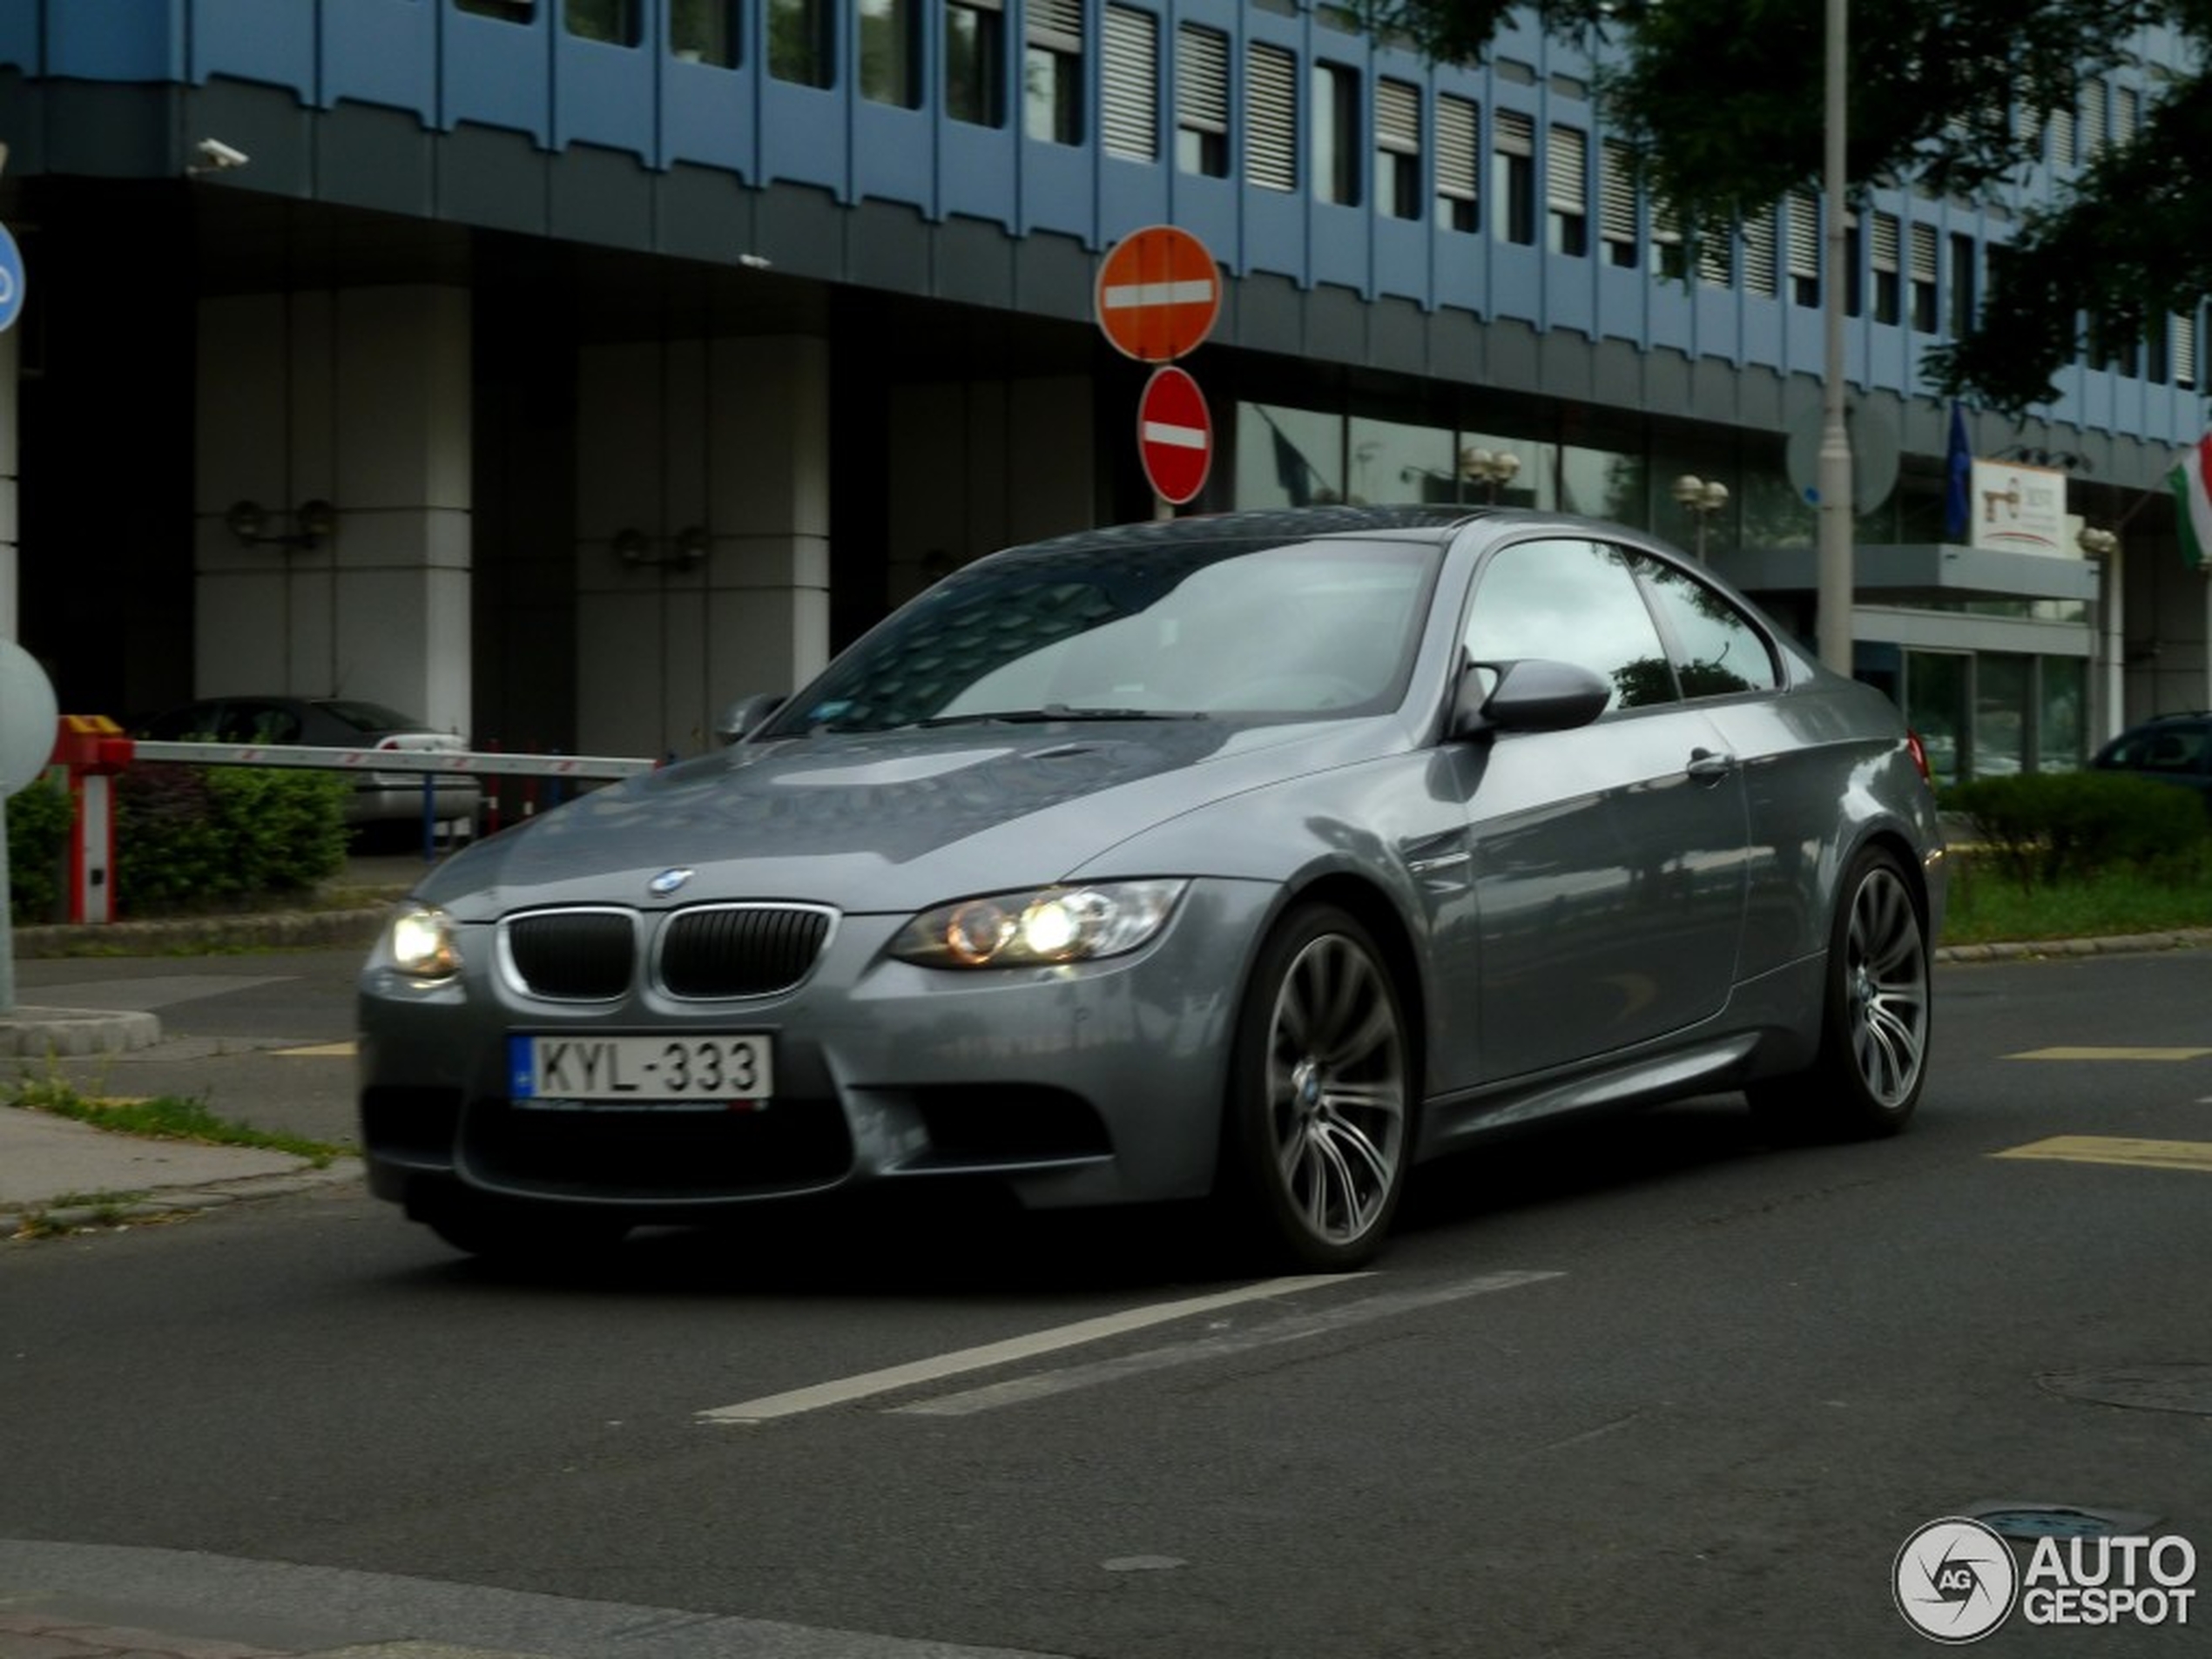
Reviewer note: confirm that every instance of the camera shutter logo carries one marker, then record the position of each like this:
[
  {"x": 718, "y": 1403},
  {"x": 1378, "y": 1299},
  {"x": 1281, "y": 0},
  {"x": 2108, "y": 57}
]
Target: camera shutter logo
[{"x": 1955, "y": 1580}]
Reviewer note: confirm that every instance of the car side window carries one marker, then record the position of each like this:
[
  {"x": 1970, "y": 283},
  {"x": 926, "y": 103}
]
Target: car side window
[
  {"x": 1574, "y": 602},
  {"x": 1719, "y": 650}
]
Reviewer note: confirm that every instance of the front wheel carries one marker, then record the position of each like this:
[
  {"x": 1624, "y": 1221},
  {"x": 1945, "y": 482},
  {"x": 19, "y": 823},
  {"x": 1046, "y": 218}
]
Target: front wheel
[
  {"x": 1322, "y": 1095},
  {"x": 1875, "y": 1018}
]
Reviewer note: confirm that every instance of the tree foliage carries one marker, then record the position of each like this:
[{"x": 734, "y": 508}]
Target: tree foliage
[{"x": 1722, "y": 100}]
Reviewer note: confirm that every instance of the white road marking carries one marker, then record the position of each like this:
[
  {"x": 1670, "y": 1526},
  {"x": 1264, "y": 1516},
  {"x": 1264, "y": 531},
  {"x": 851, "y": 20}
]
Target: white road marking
[
  {"x": 846, "y": 1389},
  {"x": 1296, "y": 1328}
]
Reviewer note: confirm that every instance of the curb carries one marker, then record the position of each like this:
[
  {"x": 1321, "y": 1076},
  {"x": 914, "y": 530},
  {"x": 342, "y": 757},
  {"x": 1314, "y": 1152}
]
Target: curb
[
  {"x": 14, "y": 1225},
  {"x": 2106, "y": 945},
  {"x": 176, "y": 935}
]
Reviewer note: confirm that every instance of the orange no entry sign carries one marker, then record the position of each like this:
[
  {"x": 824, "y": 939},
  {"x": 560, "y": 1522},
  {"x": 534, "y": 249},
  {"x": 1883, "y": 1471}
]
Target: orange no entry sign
[{"x": 1159, "y": 294}]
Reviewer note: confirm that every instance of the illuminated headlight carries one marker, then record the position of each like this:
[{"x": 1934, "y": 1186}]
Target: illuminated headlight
[
  {"x": 420, "y": 942},
  {"x": 1036, "y": 928}
]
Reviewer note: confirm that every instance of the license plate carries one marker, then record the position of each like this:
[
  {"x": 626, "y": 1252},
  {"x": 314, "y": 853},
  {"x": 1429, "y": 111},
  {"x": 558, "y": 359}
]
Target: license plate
[{"x": 689, "y": 1067}]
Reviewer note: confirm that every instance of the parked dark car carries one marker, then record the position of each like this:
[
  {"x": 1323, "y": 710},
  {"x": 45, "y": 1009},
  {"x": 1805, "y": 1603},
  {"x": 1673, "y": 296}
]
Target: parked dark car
[
  {"x": 2171, "y": 748},
  {"x": 1259, "y": 857},
  {"x": 333, "y": 723}
]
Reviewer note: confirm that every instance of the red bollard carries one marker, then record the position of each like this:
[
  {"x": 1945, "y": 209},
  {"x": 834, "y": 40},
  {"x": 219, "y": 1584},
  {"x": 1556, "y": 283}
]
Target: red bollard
[{"x": 93, "y": 749}]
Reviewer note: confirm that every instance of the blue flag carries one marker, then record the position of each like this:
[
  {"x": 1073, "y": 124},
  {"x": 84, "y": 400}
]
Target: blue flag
[{"x": 1957, "y": 489}]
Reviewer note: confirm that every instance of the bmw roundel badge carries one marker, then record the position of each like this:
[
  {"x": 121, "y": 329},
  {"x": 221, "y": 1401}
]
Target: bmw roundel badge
[{"x": 668, "y": 880}]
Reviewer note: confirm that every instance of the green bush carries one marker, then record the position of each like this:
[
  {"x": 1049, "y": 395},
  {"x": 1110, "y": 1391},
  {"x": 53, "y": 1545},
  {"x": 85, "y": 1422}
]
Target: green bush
[
  {"x": 38, "y": 821},
  {"x": 2049, "y": 827},
  {"x": 185, "y": 835}
]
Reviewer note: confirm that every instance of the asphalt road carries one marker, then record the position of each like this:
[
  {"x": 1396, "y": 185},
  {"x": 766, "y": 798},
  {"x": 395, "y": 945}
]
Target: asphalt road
[{"x": 1645, "y": 1387}]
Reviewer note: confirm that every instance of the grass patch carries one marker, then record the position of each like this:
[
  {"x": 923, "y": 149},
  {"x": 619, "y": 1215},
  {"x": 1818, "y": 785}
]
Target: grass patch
[
  {"x": 80, "y": 1212},
  {"x": 166, "y": 1117},
  {"x": 1989, "y": 904}
]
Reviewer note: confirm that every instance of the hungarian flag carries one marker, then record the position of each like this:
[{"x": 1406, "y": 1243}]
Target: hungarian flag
[{"x": 2193, "y": 501}]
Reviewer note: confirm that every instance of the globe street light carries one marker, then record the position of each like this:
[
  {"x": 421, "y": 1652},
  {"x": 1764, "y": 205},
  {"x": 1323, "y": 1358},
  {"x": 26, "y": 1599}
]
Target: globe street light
[
  {"x": 1700, "y": 498},
  {"x": 1489, "y": 468}
]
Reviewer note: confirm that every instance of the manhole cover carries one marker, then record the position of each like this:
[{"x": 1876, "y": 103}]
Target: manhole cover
[
  {"x": 2143, "y": 1388},
  {"x": 2015, "y": 1519}
]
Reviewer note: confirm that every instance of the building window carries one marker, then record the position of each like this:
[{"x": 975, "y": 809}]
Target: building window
[
  {"x": 1129, "y": 110},
  {"x": 1336, "y": 134},
  {"x": 1966, "y": 292},
  {"x": 1889, "y": 275},
  {"x": 1923, "y": 275},
  {"x": 891, "y": 52},
  {"x": 1512, "y": 177},
  {"x": 1670, "y": 258},
  {"x": 1760, "y": 268},
  {"x": 1270, "y": 117},
  {"x": 1567, "y": 192},
  {"x": 976, "y": 62},
  {"x": 1716, "y": 258},
  {"x": 1201, "y": 101},
  {"x": 614, "y": 22},
  {"x": 1616, "y": 202},
  {"x": 2126, "y": 114},
  {"x": 1052, "y": 71},
  {"x": 2060, "y": 127},
  {"x": 1804, "y": 248},
  {"x": 2093, "y": 133},
  {"x": 1398, "y": 149},
  {"x": 800, "y": 45},
  {"x": 2184, "y": 352},
  {"x": 704, "y": 32},
  {"x": 1458, "y": 207},
  {"x": 505, "y": 10}
]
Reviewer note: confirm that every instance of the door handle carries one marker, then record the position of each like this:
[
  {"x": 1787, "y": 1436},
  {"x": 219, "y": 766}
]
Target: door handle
[{"x": 1708, "y": 768}]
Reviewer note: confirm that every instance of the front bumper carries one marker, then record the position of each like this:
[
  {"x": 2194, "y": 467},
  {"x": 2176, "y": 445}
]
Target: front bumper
[{"x": 1089, "y": 1085}]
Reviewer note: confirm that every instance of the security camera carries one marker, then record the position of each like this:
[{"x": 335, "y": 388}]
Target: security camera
[{"x": 215, "y": 155}]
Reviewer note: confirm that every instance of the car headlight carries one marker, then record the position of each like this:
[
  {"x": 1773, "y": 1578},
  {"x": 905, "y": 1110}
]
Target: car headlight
[
  {"x": 1039, "y": 927},
  {"x": 420, "y": 941}
]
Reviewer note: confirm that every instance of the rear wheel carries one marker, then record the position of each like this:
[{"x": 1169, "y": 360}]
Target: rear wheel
[
  {"x": 1875, "y": 1018},
  {"x": 1322, "y": 1095}
]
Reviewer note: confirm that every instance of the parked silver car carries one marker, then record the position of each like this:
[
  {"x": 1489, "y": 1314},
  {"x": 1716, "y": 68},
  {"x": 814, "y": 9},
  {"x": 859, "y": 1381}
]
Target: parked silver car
[{"x": 1258, "y": 857}]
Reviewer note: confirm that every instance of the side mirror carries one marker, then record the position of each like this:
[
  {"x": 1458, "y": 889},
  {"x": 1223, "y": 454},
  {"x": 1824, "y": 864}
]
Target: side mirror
[
  {"x": 1534, "y": 694},
  {"x": 737, "y": 722}
]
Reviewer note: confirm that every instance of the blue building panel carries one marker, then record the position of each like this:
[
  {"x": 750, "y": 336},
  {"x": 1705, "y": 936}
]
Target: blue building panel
[
  {"x": 380, "y": 51},
  {"x": 1518, "y": 274},
  {"x": 1211, "y": 209},
  {"x": 1338, "y": 247},
  {"x": 891, "y": 158},
  {"x": 21, "y": 38},
  {"x": 707, "y": 118},
  {"x": 976, "y": 171},
  {"x": 1057, "y": 192},
  {"x": 605, "y": 95},
  {"x": 497, "y": 73},
  {"x": 1273, "y": 235},
  {"x": 1132, "y": 194},
  {"x": 115, "y": 40},
  {"x": 803, "y": 136},
  {"x": 1402, "y": 266},
  {"x": 253, "y": 40},
  {"x": 1460, "y": 268}
]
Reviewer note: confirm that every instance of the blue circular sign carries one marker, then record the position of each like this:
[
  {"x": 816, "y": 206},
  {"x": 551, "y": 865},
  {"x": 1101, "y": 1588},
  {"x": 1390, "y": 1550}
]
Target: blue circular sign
[{"x": 10, "y": 280}]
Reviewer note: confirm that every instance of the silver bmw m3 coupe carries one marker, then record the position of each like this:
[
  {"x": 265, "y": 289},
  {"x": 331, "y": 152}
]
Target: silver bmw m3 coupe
[{"x": 1255, "y": 858}]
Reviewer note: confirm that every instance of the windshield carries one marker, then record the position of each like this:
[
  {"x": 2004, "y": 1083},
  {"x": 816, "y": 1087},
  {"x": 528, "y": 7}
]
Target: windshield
[{"x": 1187, "y": 630}]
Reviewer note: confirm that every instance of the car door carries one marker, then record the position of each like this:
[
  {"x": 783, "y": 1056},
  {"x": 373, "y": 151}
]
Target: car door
[{"x": 1609, "y": 860}]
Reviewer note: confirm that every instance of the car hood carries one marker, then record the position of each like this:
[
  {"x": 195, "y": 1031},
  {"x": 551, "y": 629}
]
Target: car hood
[{"x": 889, "y": 822}]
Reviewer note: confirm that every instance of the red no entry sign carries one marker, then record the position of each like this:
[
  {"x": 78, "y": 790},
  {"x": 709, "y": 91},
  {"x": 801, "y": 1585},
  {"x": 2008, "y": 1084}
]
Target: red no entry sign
[
  {"x": 1159, "y": 294},
  {"x": 1174, "y": 435}
]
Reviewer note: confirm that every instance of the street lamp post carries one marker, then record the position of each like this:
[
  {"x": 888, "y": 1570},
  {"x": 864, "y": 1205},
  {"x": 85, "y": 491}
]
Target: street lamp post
[
  {"x": 1833, "y": 468},
  {"x": 1700, "y": 498},
  {"x": 1491, "y": 469}
]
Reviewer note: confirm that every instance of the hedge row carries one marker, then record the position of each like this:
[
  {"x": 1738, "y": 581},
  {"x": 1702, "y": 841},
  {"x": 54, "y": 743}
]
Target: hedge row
[
  {"x": 2046, "y": 827},
  {"x": 185, "y": 838}
]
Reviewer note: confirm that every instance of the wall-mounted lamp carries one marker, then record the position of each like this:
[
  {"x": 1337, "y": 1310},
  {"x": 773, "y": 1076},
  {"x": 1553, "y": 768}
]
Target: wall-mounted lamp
[
  {"x": 2097, "y": 543},
  {"x": 213, "y": 155},
  {"x": 311, "y": 523},
  {"x": 1489, "y": 468},
  {"x": 686, "y": 551},
  {"x": 1700, "y": 498}
]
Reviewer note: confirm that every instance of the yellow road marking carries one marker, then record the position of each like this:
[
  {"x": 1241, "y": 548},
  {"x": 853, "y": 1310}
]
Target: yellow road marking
[
  {"x": 2117, "y": 1149},
  {"x": 322, "y": 1051},
  {"x": 2111, "y": 1053}
]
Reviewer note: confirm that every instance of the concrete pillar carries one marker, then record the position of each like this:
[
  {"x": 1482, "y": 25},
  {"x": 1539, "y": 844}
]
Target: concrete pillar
[
  {"x": 359, "y": 398},
  {"x": 707, "y": 463},
  {"x": 11, "y": 488}
]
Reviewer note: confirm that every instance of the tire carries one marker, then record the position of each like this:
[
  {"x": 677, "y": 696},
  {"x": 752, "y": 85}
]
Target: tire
[
  {"x": 1875, "y": 1019},
  {"x": 1319, "y": 1127}
]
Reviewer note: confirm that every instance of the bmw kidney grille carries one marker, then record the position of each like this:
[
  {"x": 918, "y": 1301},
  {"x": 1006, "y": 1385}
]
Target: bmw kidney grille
[{"x": 711, "y": 953}]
